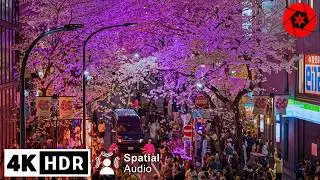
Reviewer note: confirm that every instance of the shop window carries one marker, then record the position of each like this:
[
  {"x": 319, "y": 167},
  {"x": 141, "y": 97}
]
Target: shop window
[{"x": 285, "y": 139}]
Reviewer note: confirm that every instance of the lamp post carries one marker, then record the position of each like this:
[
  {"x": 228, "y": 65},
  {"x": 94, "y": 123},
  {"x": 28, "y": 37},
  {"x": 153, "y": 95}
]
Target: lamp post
[
  {"x": 85, "y": 42},
  {"x": 67, "y": 27}
]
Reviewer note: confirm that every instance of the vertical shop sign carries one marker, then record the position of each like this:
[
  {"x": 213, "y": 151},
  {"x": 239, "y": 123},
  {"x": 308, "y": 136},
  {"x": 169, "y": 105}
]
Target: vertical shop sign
[
  {"x": 314, "y": 149},
  {"x": 280, "y": 104},
  {"x": 260, "y": 105}
]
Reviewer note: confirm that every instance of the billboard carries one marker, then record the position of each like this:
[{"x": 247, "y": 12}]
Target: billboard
[{"x": 312, "y": 74}]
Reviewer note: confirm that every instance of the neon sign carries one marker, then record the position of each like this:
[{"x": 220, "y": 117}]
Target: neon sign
[
  {"x": 312, "y": 74},
  {"x": 302, "y": 110}
]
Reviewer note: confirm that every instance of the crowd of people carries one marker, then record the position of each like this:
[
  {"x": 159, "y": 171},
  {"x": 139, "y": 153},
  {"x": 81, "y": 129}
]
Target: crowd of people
[
  {"x": 217, "y": 161},
  {"x": 213, "y": 156},
  {"x": 308, "y": 170},
  {"x": 259, "y": 161}
]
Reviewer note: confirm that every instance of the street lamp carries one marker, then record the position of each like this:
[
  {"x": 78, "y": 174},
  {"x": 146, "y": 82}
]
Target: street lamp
[
  {"x": 67, "y": 27},
  {"x": 84, "y": 72},
  {"x": 199, "y": 86}
]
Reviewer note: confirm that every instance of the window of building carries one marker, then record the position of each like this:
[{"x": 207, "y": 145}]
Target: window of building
[
  {"x": 7, "y": 54},
  {"x": 6, "y": 8},
  {"x": 8, "y": 84}
]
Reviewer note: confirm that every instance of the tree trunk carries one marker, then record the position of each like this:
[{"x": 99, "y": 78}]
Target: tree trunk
[
  {"x": 239, "y": 134},
  {"x": 218, "y": 127}
]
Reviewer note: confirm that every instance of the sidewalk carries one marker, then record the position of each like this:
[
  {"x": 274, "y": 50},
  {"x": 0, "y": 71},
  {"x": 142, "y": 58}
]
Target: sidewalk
[{"x": 288, "y": 175}]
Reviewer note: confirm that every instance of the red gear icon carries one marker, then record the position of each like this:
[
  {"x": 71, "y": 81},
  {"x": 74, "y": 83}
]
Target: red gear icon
[{"x": 300, "y": 20}]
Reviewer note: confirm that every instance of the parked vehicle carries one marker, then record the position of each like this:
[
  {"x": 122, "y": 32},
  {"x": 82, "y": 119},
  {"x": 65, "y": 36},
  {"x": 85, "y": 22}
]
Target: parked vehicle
[{"x": 128, "y": 130}]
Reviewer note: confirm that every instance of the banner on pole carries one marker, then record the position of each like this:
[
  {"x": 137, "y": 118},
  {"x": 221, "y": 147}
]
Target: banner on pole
[
  {"x": 43, "y": 105},
  {"x": 260, "y": 105},
  {"x": 65, "y": 108},
  {"x": 280, "y": 104}
]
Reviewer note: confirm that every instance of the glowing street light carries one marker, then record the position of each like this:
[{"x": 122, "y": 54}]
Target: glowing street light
[
  {"x": 67, "y": 27},
  {"x": 199, "y": 86},
  {"x": 85, "y": 78}
]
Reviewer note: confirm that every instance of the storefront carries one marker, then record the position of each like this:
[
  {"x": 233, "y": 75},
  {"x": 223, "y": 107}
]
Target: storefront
[{"x": 299, "y": 135}]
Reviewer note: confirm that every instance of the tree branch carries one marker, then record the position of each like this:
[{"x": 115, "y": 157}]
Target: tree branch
[
  {"x": 246, "y": 90},
  {"x": 218, "y": 94}
]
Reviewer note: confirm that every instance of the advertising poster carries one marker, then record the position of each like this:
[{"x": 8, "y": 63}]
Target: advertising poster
[
  {"x": 260, "y": 105},
  {"x": 43, "y": 106},
  {"x": 65, "y": 108}
]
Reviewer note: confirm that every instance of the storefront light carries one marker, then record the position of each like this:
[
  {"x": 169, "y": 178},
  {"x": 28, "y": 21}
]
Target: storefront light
[{"x": 302, "y": 110}]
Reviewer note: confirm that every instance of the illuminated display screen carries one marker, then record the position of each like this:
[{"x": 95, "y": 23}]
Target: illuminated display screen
[
  {"x": 312, "y": 74},
  {"x": 278, "y": 132}
]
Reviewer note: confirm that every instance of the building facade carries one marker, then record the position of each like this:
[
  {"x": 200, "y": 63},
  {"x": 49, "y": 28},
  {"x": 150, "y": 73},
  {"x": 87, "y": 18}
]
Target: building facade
[
  {"x": 296, "y": 134},
  {"x": 9, "y": 15},
  {"x": 299, "y": 128}
]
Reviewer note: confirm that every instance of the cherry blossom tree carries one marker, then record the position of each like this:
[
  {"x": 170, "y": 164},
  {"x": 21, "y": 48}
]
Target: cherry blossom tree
[
  {"x": 224, "y": 52},
  {"x": 192, "y": 42},
  {"x": 125, "y": 80}
]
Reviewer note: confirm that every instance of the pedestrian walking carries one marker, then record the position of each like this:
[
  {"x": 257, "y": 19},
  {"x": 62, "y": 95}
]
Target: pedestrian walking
[
  {"x": 307, "y": 169},
  {"x": 154, "y": 127},
  {"x": 299, "y": 171},
  {"x": 149, "y": 148},
  {"x": 278, "y": 166}
]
